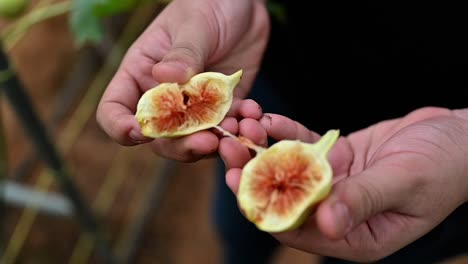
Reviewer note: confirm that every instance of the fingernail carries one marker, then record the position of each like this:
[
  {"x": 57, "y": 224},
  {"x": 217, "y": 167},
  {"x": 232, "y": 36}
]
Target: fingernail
[
  {"x": 266, "y": 120},
  {"x": 137, "y": 137},
  {"x": 343, "y": 219}
]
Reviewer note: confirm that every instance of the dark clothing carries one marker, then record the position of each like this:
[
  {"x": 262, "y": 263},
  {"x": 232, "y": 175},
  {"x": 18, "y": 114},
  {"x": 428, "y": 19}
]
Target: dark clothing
[{"x": 363, "y": 62}]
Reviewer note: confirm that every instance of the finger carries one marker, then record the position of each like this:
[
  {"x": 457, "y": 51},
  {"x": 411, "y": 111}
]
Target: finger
[
  {"x": 247, "y": 108},
  {"x": 280, "y": 127},
  {"x": 233, "y": 179},
  {"x": 234, "y": 154},
  {"x": 359, "y": 197},
  {"x": 229, "y": 124},
  {"x": 254, "y": 131},
  {"x": 115, "y": 112},
  {"x": 191, "y": 46},
  {"x": 189, "y": 148}
]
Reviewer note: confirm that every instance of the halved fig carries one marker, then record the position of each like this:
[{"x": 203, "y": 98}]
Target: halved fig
[
  {"x": 282, "y": 184},
  {"x": 172, "y": 110}
]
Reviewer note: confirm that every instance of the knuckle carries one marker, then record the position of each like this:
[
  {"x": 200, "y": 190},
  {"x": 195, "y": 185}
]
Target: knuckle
[
  {"x": 186, "y": 51},
  {"x": 363, "y": 197}
]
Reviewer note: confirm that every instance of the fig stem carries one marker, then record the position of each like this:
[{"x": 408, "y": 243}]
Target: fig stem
[
  {"x": 243, "y": 140},
  {"x": 326, "y": 142},
  {"x": 235, "y": 78}
]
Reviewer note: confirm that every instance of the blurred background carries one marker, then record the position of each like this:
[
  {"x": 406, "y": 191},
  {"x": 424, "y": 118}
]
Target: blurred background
[{"x": 69, "y": 194}]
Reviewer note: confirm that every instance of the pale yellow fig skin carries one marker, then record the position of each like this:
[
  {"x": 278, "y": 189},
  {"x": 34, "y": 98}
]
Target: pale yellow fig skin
[
  {"x": 300, "y": 211},
  {"x": 147, "y": 110}
]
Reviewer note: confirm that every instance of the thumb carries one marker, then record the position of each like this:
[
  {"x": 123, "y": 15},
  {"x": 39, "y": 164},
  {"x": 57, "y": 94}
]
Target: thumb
[
  {"x": 357, "y": 198},
  {"x": 191, "y": 45}
]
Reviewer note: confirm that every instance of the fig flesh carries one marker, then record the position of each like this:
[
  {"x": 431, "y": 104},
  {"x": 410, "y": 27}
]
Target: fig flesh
[
  {"x": 173, "y": 110},
  {"x": 283, "y": 183}
]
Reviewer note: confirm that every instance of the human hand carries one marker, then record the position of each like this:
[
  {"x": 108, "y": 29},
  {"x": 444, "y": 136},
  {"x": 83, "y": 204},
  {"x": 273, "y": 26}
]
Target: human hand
[
  {"x": 393, "y": 182},
  {"x": 186, "y": 38}
]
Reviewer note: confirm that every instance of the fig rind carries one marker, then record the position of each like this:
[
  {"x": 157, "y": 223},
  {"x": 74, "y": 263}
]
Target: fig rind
[
  {"x": 174, "y": 110},
  {"x": 282, "y": 184}
]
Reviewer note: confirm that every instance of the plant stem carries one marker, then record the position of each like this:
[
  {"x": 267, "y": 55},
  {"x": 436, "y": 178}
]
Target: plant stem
[
  {"x": 12, "y": 34},
  {"x": 243, "y": 140}
]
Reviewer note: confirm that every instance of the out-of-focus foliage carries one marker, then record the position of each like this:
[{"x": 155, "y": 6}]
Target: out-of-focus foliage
[
  {"x": 277, "y": 11},
  {"x": 112, "y": 7},
  {"x": 87, "y": 15},
  {"x": 12, "y": 8}
]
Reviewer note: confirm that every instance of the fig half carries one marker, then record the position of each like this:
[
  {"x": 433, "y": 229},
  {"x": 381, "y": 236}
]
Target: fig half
[
  {"x": 173, "y": 110},
  {"x": 282, "y": 184}
]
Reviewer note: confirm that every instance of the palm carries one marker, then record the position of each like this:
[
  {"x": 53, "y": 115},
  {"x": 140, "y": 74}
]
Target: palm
[{"x": 413, "y": 146}]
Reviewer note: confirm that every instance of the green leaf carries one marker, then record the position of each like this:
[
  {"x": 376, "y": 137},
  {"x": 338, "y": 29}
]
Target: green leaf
[
  {"x": 86, "y": 17},
  {"x": 278, "y": 11},
  {"x": 86, "y": 26},
  {"x": 113, "y": 7}
]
